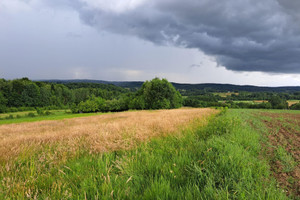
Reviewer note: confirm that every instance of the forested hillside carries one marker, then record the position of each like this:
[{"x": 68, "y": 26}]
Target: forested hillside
[
  {"x": 21, "y": 93},
  {"x": 193, "y": 88}
]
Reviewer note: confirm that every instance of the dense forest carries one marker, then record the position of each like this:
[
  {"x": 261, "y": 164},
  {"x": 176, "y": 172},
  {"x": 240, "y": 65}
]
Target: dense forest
[
  {"x": 88, "y": 96},
  {"x": 21, "y": 94}
]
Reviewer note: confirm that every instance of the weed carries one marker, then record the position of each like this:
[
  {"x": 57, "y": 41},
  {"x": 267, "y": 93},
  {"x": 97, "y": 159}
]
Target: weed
[
  {"x": 9, "y": 116},
  {"x": 30, "y": 114},
  {"x": 47, "y": 112},
  {"x": 286, "y": 159}
]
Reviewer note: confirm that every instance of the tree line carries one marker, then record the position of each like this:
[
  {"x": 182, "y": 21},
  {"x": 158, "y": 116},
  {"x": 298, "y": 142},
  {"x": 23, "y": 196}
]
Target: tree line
[
  {"x": 24, "y": 94},
  {"x": 273, "y": 101}
]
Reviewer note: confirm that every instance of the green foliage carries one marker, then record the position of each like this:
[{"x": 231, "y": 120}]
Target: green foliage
[
  {"x": 160, "y": 94},
  {"x": 278, "y": 103},
  {"x": 23, "y": 93},
  {"x": 91, "y": 105},
  {"x": 208, "y": 100},
  {"x": 203, "y": 101},
  {"x": 88, "y": 106},
  {"x": 138, "y": 103},
  {"x": 47, "y": 112},
  {"x": 154, "y": 94},
  {"x": 30, "y": 114},
  {"x": 9, "y": 116},
  {"x": 30, "y": 95},
  {"x": 39, "y": 111},
  {"x": 3, "y": 103},
  {"x": 42, "y": 112},
  {"x": 74, "y": 108}
]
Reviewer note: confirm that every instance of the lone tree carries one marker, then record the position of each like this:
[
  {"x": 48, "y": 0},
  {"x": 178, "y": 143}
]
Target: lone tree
[{"x": 160, "y": 94}]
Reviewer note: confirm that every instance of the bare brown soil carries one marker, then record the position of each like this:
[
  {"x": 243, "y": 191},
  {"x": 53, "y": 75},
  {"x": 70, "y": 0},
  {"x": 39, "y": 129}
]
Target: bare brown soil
[
  {"x": 284, "y": 129},
  {"x": 96, "y": 133}
]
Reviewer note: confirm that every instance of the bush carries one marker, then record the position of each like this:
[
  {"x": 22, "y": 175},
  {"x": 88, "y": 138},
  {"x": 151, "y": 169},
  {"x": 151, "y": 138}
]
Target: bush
[
  {"x": 40, "y": 111},
  {"x": 12, "y": 109},
  {"x": 88, "y": 106},
  {"x": 9, "y": 116},
  {"x": 74, "y": 108},
  {"x": 68, "y": 112},
  {"x": 91, "y": 105},
  {"x": 31, "y": 114},
  {"x": 47, "y": 112}
]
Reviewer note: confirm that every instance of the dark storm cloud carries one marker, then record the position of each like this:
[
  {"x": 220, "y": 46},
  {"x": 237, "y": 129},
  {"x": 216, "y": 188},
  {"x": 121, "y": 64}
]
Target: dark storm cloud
[{"x": 243, "y": 35}]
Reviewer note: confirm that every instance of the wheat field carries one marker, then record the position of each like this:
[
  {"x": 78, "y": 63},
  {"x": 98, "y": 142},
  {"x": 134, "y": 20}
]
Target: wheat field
[{"x": 101, "y": 133}]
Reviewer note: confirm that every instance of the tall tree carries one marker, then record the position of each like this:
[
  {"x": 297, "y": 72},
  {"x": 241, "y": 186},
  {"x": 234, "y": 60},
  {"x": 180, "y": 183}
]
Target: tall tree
[
  {"x": 160, "y": 94},
  {"x": 3, "y": 103}
]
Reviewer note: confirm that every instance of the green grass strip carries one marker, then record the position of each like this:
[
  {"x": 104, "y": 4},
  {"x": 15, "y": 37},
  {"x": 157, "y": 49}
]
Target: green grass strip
[{"x": 56, "y": 115}]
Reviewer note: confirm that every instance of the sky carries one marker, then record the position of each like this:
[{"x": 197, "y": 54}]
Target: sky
[{"x": 245, "y": 42}]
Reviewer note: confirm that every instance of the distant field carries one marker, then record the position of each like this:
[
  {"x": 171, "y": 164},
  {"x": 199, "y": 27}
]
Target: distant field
[
  {"x": 225, "y": 94},
  {"x": 20, "y": 117},
  {"x": 250, "y": 102},
  {"x": 164, "y": 154},
  {"x": 290, "y": 102},
  {"x": 24, "y": 114}
]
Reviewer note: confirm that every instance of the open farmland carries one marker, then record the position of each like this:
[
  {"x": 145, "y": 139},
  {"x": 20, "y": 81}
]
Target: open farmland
[
  {"x": 166, "y": 154},
  {"x": 96, "y": 133}
]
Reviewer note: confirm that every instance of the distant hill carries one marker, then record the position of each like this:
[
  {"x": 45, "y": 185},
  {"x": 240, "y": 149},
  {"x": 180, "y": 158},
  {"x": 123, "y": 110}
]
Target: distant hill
[
  {"x": 209, "y": 87},
  {"x": 229, "y": 87}
]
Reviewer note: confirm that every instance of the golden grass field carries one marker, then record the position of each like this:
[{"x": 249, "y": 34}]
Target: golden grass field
[{"x": 96, "y": 133}]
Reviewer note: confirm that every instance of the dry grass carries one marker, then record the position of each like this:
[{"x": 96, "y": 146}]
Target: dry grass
[
  {"x": 96, "y": 133},
  {"x": 292, "y": 102}
]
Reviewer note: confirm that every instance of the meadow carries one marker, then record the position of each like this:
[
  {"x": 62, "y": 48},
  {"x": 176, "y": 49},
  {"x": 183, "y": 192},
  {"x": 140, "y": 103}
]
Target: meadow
[
  {"x": 290, "y": 102},
  {"x": 165, "y": 154},
  {"x": 33, "y": 116}
]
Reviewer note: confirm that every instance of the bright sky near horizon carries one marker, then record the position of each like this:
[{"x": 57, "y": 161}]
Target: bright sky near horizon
[{"x": 194, "y": 41}]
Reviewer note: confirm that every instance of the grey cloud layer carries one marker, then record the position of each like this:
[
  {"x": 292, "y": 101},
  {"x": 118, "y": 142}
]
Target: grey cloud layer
[{"x": 243, "y": 35}]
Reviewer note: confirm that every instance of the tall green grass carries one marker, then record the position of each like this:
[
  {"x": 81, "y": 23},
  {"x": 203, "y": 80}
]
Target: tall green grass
[{"x": 218, "y": 161}]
